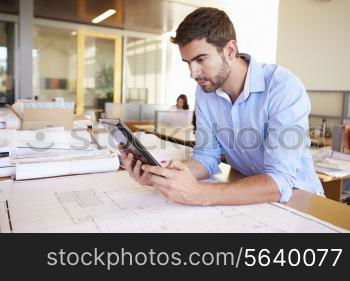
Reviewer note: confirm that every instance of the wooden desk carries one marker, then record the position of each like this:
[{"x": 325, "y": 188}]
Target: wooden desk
[
  {"x": 317, "y": 206},
  {"x": 136, "y": 125},
  {"x": 333, "y": 187},
  {"x": 184, "y": 136},
  {"x": 148, "y": 128}
]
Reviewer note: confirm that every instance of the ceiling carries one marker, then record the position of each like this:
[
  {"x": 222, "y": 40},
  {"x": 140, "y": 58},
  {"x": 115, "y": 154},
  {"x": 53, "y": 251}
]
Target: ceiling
[{"x": 153, "y": 16}]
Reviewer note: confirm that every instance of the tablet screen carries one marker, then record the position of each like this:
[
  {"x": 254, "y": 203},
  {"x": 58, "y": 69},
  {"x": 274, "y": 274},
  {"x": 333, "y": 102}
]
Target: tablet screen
[{"x": 127, "y": 142}]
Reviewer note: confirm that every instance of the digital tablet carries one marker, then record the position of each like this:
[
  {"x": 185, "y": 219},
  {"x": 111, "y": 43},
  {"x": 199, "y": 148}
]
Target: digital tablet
[{"x": 127, "y": 142}]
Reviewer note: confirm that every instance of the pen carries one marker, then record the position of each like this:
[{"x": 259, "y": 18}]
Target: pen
[{"x": 4, "y": 154}]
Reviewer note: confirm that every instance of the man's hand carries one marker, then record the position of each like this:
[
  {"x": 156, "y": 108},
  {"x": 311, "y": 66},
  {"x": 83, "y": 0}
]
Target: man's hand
[
  {"x": 134, "y": 168},
  {"x": 176, "y": 183}
]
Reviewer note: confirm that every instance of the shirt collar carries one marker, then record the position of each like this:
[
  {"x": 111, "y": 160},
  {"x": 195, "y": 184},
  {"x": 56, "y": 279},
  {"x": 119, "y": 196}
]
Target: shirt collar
[
  {"x": 256, "y": 75},
  {"x": 254, "y": 82}
]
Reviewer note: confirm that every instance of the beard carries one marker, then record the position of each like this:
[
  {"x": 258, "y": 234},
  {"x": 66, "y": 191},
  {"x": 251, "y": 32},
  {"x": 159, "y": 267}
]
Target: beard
[{"x": 218, "y": 80}]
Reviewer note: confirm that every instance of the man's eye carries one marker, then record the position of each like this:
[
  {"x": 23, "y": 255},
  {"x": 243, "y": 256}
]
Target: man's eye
[{"x": 200, "y": 60}]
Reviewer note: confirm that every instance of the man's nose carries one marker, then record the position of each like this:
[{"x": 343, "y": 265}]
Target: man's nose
[{"x": 195, "y": 71}]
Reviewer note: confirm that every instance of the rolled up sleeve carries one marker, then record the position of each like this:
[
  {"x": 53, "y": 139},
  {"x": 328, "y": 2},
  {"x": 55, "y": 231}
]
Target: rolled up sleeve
[{"x": 287, "y": 134}]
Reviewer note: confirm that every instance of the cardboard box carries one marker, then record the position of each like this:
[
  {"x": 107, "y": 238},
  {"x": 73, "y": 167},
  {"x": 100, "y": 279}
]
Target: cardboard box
[
  {"x": 40, "y": 115},
  {"x": 38, "y": 118}
]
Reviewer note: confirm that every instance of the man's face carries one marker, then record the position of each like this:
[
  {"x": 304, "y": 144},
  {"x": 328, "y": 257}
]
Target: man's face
[{"x": 208, "y": 67}]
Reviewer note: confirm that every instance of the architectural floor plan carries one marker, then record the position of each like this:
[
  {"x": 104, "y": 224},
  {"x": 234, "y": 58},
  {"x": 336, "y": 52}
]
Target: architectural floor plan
[{"x": 113, "y": 202}]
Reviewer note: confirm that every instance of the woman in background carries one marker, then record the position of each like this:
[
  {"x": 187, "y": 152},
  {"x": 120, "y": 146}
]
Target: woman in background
[{"x": 181, "y": 103}]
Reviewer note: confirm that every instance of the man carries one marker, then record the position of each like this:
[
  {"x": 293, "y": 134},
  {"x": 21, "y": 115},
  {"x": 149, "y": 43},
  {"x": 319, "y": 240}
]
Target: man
[{"x": 256, "y": 113}]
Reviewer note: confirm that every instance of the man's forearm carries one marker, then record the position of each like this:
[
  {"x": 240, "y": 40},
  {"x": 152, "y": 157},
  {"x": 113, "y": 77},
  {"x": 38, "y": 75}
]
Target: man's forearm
[
  {"x": 197, "y": 169},
  {"x": 248, "y": 190}
]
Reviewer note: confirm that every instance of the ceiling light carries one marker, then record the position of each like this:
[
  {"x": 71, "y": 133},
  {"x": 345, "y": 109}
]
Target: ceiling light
[{"x": 104, "y": 15}]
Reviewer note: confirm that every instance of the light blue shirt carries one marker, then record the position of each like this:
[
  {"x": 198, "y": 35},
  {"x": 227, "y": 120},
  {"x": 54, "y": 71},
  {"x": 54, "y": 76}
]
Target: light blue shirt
[{"x": 265, "y": 131}]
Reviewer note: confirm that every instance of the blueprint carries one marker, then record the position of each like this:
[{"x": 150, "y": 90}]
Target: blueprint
[{"x": 113, "y": 202}]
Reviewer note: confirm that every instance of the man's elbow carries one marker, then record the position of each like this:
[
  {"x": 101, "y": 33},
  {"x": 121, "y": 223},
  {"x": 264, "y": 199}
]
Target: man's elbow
[
  {"x": 273, "y": 194},
  {"x": 282, "y": 187}
]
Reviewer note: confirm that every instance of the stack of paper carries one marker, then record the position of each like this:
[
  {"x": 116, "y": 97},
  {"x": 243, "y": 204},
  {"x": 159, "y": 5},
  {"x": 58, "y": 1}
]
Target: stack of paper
[
  {"x": 20, "y": 105},
  {"x": 52, "y": 152},
  {"x": 44, "y": 143},
  {"x": 335, "y": 164},
  {"x": 8, "y": 119},
  {"x": 7, "y": 168},
  {"x": 68, "y": 166}
]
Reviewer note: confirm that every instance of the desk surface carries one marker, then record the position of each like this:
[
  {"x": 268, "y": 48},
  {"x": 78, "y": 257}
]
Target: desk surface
[
  {"x": 136, "y": 125},
  {"x": 326, "y": 178},
  {"x": 126, "y": 207},
  {"x": 184, "y": 136},
  {"x": 320, "y": 207}
]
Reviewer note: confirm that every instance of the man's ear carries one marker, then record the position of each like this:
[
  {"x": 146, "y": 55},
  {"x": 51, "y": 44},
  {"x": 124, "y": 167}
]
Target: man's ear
[{"x": 232, "y": 49}]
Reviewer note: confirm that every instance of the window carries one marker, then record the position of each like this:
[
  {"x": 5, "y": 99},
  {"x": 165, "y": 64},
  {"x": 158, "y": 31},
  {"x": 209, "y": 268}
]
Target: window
[
  {"x": 143, "y": 67},
  {"x": 54, "y": 63}
]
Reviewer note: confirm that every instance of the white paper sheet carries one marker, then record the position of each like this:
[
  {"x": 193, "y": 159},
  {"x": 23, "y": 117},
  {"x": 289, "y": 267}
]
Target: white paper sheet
[
  {"x": 68, "y": 167},
  {"x": 8, "y": 171},
  {"x": 9, "y": 119},
  {"x": 7, "y": 140},
  {"x": 332, "y": 163},
  {"x": 160, "y": 149},
  {"x": 4, "y": 220},
  {"x": 5, "y": 186},
  {"x": 43, "y": 139},
  {"x": 47, "y": 143},
  {"x": 113, "y": 202}
]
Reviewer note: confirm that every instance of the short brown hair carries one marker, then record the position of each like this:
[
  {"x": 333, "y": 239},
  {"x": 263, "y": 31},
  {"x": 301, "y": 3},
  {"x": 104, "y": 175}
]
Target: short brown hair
[{"x": 210, "y": 23}]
